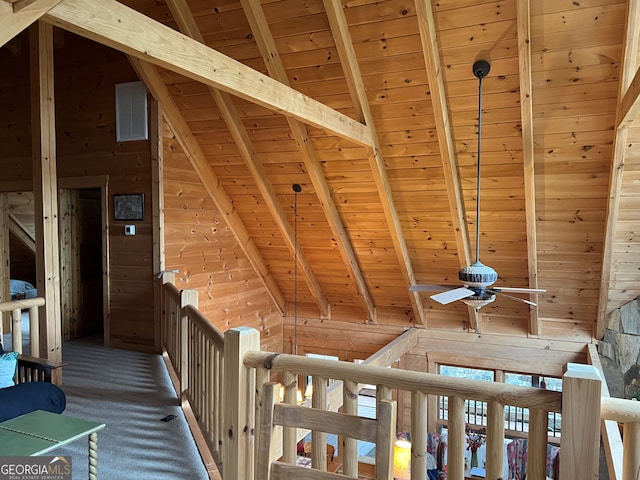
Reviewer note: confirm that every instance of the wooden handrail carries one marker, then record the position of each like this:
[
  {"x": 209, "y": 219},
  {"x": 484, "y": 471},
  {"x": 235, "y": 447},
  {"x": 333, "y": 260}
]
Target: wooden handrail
[
  {"x": 16, "y": 307},
  {"x": 428, "y": 383}
]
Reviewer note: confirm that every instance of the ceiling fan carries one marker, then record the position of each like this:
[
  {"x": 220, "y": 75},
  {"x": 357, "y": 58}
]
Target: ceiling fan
[{"x": 477, "y": 278}]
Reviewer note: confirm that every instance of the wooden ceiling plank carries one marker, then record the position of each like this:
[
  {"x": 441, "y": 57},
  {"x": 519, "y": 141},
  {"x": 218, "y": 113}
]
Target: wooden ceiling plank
[
  {"x": 628, "y": 70},
  {"x": 149, "y": 74},
  {"x": 528, "y": 152},
  {"x": 428, "y": 36},
  {"x": 351, "y": 68},
  {"x": 118, "y": 26},
  {"x": 266, "y": 44},
  {"x": 187, "y": 24},
  {"x": 16, "y": 16}
]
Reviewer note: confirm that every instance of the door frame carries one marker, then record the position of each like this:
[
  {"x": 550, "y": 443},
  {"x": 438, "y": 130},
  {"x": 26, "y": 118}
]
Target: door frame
[
  {"x": 101, "y": 182},
  {"x": 95, "y": 181}
]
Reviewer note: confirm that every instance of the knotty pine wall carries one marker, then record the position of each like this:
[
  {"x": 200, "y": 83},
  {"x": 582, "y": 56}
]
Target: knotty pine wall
[
  {"x": 85, "y": 75},
  {"x": 199, "y": 244}
]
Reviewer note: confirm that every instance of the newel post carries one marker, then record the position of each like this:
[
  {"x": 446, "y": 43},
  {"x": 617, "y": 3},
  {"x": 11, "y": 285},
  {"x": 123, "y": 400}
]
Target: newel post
[
  {"x": 187, "y": 297},
  {"x": 580, "y": 443},
  {"x": 239, "y": 387}
]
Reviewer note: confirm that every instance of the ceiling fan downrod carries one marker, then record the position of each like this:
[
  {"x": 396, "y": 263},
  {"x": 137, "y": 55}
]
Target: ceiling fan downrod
[{"x": 478, "y": 275}]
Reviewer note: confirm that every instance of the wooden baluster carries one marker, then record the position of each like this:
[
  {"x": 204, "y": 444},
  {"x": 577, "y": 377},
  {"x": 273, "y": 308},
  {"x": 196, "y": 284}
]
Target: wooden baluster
[
  {"x": 537, "y": 444},
  {"x": 350, "y": 445},
  {"x": 418, "y": 435},
  {"x": 16, "y": 330},
  {"x": 456, "y": 439},
  {"x": 290, "y": 381},
  {"x": 495, "y": 441},
  {"x": 319, "y": 439}
]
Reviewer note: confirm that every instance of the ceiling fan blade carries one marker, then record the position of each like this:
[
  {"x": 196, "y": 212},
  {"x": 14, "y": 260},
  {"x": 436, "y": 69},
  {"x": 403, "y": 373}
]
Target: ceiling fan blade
[
  {"x": 428, "y": 287},
  {"x": 518, "y": 290},
  {"x": 452, "y": 295},
  {"x": 528, "y": 302}
]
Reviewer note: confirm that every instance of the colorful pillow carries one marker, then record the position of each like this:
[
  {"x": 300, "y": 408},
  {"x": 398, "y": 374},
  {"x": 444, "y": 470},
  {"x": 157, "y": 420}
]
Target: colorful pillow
[{"x": 8, "y": 366}]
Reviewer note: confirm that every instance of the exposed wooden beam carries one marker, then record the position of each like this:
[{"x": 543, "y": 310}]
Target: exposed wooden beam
[
  {"x": 14, "y": 19},
  {"x": 187, "y": 24},
  {"x": 118, "y": 26},
  {"x": 17, "y": 228},
  {"x": 428, "y": 36},
  {"x": 528, "y": 152},
  {"x": 5, "y": 262},
  {"x": 349, "y": 61},
  {"x": 45, "y": 188},
  {"x": 266, "y": 44},
  {"x": 150, "y": 76},
  {"x": 157, "y": 214},
  {"x": 630, "y": 104},
  {"x": 628, "y": 70}
]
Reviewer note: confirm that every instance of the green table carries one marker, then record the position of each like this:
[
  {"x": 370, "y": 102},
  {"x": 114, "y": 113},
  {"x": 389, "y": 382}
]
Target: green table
[{"x": 40, "y": 432}]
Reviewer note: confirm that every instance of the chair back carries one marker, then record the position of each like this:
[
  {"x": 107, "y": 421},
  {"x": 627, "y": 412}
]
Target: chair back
[{"x": 274, "y": 415}]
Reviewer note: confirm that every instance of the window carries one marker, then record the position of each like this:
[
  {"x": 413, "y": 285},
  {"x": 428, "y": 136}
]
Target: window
[{"x": 516, "y": 418}]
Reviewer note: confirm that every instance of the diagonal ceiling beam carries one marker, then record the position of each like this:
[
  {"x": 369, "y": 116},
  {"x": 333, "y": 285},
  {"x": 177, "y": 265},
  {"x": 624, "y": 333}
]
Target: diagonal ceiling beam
[
  {"x": 428, "y": 36},
  {"x": 118, "y": 26},
  {"x": 266, "y": 44},
  {"x": 22, "y": 233},
  {"x": 630, "y": 104},
  {"x": 149, "y": 75},
  {"x": 16, "y": 16},
  {"x": 528, "y": 152},
  {"x": 349, "y": 61},
  {"x": 627, "y": 69},
  {"x": 187, "y": 24}
]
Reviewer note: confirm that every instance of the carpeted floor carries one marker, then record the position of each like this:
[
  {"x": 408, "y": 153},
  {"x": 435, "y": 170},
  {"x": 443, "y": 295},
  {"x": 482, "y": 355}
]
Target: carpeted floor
[{"x": 130, "y": 392}]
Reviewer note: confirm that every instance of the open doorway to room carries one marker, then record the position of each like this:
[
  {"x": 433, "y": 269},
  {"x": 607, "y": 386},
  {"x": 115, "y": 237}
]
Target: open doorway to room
[
  {"x": 83, "y": 223},
  {"x": 82, "y": 263}
]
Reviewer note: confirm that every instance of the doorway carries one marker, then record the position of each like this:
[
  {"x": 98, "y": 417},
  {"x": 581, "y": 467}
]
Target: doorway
[{"x": 82, "y": 262}]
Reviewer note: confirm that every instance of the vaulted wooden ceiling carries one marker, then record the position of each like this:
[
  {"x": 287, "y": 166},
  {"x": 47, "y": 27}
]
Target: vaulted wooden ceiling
[{"x": 371, "y": 107}]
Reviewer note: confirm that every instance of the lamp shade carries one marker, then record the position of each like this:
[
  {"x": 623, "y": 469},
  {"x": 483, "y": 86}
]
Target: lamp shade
[{"x": 402, "y": 460}]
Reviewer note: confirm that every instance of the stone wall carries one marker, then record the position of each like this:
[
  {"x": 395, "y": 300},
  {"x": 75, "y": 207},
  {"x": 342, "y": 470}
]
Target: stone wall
[{"x": 620, "y": 351}]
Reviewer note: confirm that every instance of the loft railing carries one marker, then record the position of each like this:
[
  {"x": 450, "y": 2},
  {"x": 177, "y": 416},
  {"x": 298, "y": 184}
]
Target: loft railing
[
  {"x": 238, "y": 369},
  {"x": 16, "y": 307},
  {"x": 194, "y": 350}
]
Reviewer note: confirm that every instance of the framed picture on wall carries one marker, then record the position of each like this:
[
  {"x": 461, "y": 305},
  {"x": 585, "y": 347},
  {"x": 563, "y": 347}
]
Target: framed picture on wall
[{"x": 128, "y": 206}]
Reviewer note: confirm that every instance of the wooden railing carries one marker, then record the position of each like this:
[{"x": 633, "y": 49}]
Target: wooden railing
[
  {"x": 219, "y": 380},
  {"x": 194, "y": 350},
  {"x": 16, "y": 307}
]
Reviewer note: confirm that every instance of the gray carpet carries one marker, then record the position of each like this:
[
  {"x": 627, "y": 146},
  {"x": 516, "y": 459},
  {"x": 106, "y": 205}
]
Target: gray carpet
[{"x": 130, "y": 392}]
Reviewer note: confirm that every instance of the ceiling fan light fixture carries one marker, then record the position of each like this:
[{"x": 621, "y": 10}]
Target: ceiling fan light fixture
[
  {"x": 478, "y": 301},
  {"x": 477, "y": 275}
]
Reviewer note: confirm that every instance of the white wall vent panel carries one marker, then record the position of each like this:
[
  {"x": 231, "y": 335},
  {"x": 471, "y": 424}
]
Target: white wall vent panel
[{"x": 131, "y": 112}]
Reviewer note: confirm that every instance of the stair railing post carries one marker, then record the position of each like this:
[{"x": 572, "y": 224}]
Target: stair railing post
[
  {"x": 165, "y": 327},
  {"x": 580, "y": 442},
  {"x": 187, "y": 297},
  {"x": 238, "y": 443}
]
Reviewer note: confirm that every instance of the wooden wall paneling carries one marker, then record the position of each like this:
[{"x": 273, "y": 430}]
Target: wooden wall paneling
[
  {"x": 45, "y": 188},
  {"x": 199, "y": 244}
]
